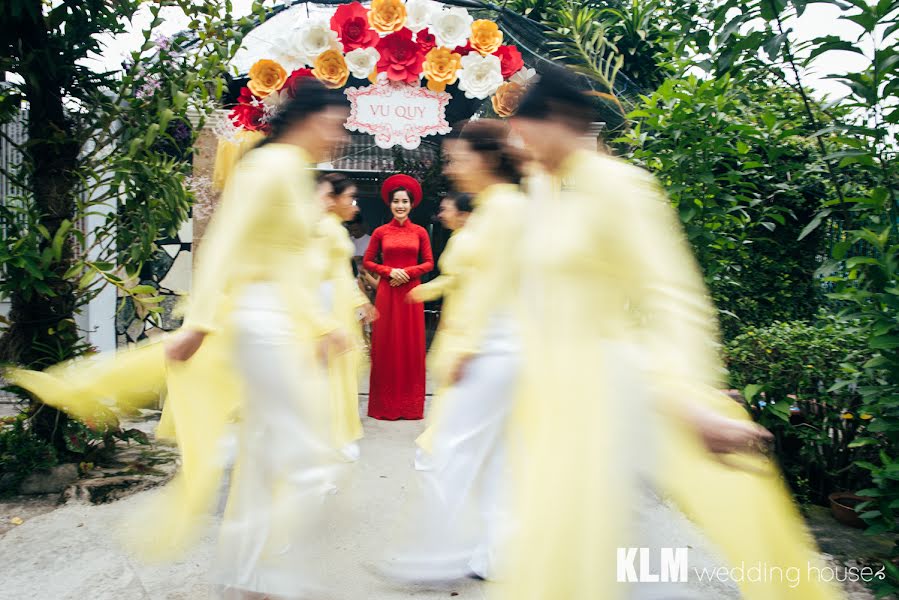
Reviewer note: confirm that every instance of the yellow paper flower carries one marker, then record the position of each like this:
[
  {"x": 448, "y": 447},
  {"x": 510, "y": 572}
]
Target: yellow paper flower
[
  {"x": 266, "y": 76},
  {"x": 848, "y": 416},
  {"x": 486, "y": 37},
  {"x": 441, "y": 67},
  {"x": 387, "y": 16},
  {"x": 866, "y": 416},
  {"x": 507, "y": 98},
  {"x": 330, "y": 68}
]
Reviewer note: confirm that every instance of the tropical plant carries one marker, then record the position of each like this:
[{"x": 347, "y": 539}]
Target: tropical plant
[
  {"x": 802, "y": 380},
  {"x": 105, "y": 147}
]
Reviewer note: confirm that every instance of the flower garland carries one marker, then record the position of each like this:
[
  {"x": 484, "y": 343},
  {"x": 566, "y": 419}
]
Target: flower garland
[{"x": 394, "y": 41}]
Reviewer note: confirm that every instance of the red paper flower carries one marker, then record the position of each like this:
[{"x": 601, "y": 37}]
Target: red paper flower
[
  {"x": 511, "y": 60},
  {"x": 401, "y": 57},
  {"x": 464, "y": 50},
  {"x": 291, "y": 84},
  {"x": 249, "y": 117},
  {"x": 426, "y": 41},
  {"x": 246, "y": 96},
  {"x": 351, "y": 24}
]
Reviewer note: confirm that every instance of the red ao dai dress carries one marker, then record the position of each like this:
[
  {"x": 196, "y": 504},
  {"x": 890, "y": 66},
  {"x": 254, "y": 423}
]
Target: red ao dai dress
[{"x": 397, "y": 385}]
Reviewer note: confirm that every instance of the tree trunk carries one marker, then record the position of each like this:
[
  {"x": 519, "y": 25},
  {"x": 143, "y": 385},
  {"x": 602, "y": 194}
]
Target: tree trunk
[{"x": 42, "y": 328}]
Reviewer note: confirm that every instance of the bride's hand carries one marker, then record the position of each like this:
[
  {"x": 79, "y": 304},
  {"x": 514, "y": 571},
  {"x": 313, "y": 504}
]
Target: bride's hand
[{"x": 399, "y": 276}]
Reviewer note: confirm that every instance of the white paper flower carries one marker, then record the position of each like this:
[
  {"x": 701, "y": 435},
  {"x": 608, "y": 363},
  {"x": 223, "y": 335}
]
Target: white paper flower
[
  {"x": 288, "y": 54},
  {"x": 452, "y": 27},
  {"x": 362, "y": 61},
  {"x": 524, "y": 77},
  {"x": 272, "y": 103},
  {"x": 314, "y": 37},
  {"x": 419, "y": 13},
  {"x": 480, "y": 75}
]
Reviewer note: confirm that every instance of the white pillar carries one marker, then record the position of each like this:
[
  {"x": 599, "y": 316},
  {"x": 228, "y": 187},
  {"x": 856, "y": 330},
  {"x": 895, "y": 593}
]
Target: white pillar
[{"x": 97, "y": 319}]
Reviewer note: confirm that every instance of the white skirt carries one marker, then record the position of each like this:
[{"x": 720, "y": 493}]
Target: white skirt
[
  {"x": 286, "y": 467},
  {"x": 459, "y": 518}
]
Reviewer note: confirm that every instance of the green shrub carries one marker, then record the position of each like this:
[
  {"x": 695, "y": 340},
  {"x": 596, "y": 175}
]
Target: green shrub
[
  {"x": 21, "y": 452},
  {"x": 802, "y": 381}
]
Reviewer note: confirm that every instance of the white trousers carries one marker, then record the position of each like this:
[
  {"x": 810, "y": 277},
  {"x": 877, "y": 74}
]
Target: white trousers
[
  {"x": 286, "y": 468},
  {"x": 460, "y": 516}
]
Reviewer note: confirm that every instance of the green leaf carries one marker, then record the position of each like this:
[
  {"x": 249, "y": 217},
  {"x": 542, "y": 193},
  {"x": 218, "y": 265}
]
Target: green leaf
[
  {"x": 814, "y": 224},
  {"x": 143, "y": 289},
  {"x": 863, "y": 442},
  {"x": 884, "y": 342},
  {"x": 60, "y": 238},
  {"x": 134, "y": 146},
  {"x": 830, "y": 43},
  {"x": 772, "y": 8},
  {"x": 152, "y": 131},
  {"x": 773, "y": 46}
]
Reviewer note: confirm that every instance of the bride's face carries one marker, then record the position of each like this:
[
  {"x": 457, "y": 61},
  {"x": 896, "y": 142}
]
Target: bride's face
[{"x": 401, "y": 205}]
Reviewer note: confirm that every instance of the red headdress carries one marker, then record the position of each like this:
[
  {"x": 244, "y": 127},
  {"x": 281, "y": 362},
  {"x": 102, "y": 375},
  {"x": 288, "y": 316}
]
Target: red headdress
[{"x": 406, "y": 182}]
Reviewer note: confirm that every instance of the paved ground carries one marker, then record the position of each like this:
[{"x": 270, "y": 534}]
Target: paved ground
[{"x": 71, "y": 552}]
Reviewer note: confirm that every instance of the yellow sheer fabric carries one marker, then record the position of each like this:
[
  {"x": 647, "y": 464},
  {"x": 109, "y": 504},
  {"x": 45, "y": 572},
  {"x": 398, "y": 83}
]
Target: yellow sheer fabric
[
  {"x": 479, "y": 279},
  {"x": 620, "y": 340},
  {"x": 262, "y": 231},
  {"x": 487, "y": 279},
  {"x": 347, "y": 298},
  {"x": 228, "y": 153}
]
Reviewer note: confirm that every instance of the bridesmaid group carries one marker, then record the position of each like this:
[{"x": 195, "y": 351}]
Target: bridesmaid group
[{"x": 574, "y": 363}]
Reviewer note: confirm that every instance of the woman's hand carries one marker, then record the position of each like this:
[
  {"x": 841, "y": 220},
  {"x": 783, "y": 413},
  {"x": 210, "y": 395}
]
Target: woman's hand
[
  {"x": 335, "y": 342},
  {"x": 184, "y": 344},
  {"x": 398, "y": 277},
  {"x": 457, "y": 371},
  {"x": 415, "y": 296},
  {"x": 724, "y": 435},
  {"x": 369, "y": 314}
]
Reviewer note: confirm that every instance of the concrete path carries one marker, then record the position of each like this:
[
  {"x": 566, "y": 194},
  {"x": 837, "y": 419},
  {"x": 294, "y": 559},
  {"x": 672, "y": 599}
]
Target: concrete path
[{"x": 71, "y": 553}]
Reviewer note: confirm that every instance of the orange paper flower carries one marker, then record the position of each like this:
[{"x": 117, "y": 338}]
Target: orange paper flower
[
  {"x": 330, "y": 68},
  {"x": 507, "y": 98},
  {"x": 266, "y": 76},
  {"x": 486, "y": 37},
  {"x": 387, "y": 16},
  {"x": 441, "y": 68}
]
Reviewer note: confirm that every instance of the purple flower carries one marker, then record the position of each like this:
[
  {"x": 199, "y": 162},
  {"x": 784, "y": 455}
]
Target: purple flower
[{"x": 163, "y": 42}]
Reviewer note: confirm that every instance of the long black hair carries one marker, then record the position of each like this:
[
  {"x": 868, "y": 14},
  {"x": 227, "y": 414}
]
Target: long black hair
[
  {"x": 339, "y": 182},
  {"x": 464, "y": 202},
  {"x": 559, "y": 94},
  {"x": 310, "y": 98},
  {"x": 491, "y": 138}
]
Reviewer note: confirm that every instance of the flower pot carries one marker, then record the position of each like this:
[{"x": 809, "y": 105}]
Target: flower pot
[{"x": 842, "y": 507}]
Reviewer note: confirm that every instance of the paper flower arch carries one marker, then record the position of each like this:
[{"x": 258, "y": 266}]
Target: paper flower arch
[{"x": 413, "y": 42}]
